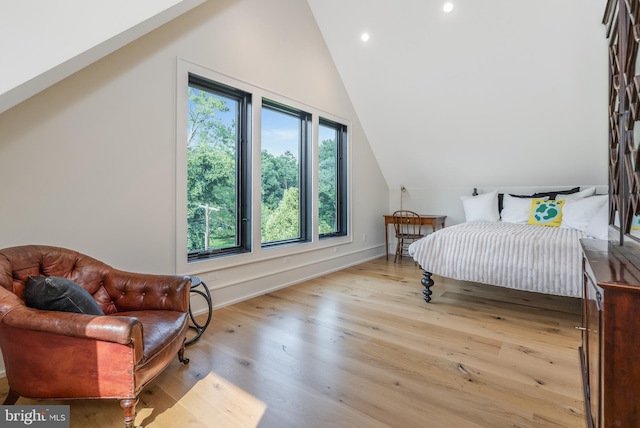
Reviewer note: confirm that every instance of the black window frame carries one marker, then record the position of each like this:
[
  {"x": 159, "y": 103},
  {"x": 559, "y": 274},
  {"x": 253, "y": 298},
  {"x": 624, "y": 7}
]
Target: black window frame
[
  {"x": 341, "y": 178},
  {"x": 243, "y": 167},
  {"x": 304, "y": 179}
]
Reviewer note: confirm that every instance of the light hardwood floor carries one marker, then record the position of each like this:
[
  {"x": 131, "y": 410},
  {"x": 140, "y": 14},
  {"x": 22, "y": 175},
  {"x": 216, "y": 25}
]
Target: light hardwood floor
[{"x": 360, "y": 348}]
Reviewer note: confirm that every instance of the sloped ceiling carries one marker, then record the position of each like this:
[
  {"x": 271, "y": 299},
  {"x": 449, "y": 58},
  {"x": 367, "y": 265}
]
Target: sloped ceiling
[
  {"x": 42, "y": 42},
  {"x": 455, "y": 96}
]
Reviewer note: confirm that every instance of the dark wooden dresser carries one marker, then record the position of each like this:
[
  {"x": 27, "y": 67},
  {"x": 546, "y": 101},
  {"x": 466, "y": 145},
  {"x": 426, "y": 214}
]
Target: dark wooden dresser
[{"x": 610, "y": 351}]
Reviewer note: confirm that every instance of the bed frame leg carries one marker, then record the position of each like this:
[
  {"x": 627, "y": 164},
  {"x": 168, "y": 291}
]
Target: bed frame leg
[{"x": 428, "y": 283}]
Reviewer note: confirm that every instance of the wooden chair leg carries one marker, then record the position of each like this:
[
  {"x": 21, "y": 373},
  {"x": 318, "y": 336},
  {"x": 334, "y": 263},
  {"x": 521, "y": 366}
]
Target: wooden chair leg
[
  {"x": 11, "y": 398},
  {"x": 181, "y": 357},
  {"x": 129, "y": 407},
  {"x": 398, "y": 250}
]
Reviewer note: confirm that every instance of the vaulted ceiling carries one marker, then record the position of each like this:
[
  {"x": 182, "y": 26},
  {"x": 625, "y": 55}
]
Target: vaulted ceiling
[
  {"x": 487, "y": 81},
  {"x": 43, "y": 42}
]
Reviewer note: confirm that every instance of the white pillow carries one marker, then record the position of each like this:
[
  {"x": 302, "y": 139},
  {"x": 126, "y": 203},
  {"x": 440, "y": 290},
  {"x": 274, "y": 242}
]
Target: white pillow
[
  {"x": 516, "y": 210},
  {"x": 589, "y": 191},
  {"x": 598, "y": 227},
  {"x": 481, "y": 207},
  {"x": 577, "y": 213}
]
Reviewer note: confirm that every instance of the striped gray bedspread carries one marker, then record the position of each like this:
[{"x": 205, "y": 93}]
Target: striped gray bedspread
[{"x": 521, "y": 256}]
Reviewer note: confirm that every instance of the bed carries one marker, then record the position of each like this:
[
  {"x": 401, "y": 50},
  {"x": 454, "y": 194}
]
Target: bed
[{"x": 515, "y": 254}]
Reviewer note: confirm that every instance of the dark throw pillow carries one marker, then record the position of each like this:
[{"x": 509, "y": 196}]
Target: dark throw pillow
[
  {"x": 551, "y": 195},
  {"x": 554, "y": 194},
  {"x": 54, "y": 293}
]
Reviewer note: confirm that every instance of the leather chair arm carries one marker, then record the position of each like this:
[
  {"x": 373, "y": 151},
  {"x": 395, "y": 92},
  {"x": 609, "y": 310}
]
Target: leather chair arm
[
  {"x": 8, "y": 301},
  {"x": 139, "y": 291},
  {"x": 121, "y": 330}
]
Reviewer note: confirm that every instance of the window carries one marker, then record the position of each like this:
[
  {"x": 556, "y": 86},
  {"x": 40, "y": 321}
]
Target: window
[
  {"x": 257, "y": 173},
  {"x": 284, "y": 207},
  {"x": 332, "y": 178},
  {"x": 218, "y": 192}
]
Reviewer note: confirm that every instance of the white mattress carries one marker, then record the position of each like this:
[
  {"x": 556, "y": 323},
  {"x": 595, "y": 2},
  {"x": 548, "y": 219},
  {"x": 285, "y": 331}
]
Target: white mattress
[{"x": 521, "y": 256}]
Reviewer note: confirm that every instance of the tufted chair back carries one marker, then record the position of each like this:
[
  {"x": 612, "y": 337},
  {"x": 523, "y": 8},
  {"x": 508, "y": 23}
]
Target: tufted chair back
[
  {"x": 111, "y": 289},
  {"x": 89, "y": 356}
]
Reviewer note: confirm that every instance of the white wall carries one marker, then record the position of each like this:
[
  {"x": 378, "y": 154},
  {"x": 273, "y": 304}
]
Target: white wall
[{"x": 89, "y": 163}]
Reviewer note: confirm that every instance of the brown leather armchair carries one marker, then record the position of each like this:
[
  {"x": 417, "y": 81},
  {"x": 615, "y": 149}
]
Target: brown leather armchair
[{"x": 65, "y": 355}]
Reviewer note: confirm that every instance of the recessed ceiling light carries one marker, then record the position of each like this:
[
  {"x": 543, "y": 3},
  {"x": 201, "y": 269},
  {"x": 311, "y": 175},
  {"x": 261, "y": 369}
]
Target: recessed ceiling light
[
  {"x": 364, "y": 37},
  {"x": 448, "y": 7}
]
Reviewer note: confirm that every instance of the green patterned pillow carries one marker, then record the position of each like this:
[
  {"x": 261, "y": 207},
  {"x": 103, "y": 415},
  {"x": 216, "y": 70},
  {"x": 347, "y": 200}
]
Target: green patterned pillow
[{"x": 546, "y": 213}]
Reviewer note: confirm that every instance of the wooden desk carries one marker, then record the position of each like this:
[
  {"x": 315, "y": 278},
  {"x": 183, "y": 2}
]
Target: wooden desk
[{"x": 426, "y": 220}]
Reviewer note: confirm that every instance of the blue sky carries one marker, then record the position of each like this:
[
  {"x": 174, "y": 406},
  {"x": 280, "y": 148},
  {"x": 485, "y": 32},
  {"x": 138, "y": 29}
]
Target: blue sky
[{"x": 279, "y": 130}]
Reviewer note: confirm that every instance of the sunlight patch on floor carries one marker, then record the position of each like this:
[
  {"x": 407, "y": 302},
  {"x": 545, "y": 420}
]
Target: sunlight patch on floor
[{"x": 214, "y": 402}]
